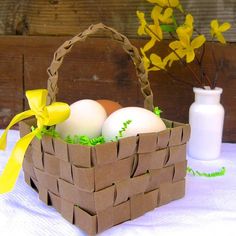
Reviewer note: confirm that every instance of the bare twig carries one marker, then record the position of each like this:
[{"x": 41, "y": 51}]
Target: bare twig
[{"x": 173, "y": 77}]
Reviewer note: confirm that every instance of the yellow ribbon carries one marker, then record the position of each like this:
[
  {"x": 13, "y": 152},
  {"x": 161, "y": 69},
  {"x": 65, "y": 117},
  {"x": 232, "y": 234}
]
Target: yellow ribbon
[{"x": 46, "y": 116}]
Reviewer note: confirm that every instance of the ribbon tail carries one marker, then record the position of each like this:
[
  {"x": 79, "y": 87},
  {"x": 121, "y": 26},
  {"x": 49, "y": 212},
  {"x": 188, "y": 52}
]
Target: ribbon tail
[
  {"x": 15, "y": 120},
  {"x": 12, "y": 169}
]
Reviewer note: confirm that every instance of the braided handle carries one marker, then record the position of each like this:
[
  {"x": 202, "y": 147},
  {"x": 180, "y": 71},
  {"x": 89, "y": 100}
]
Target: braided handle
[{"x": 128, "y": 48}]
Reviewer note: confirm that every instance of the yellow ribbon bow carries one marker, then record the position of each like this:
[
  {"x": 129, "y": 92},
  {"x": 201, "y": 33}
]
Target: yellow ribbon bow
[{"x": 46, "y": 116}]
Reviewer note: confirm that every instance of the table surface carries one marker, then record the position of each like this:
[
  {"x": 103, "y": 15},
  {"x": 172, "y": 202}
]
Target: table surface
[{"x": 209, "y": 206}]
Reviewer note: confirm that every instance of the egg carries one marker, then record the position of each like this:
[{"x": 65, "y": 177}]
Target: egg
[
  {"x": 86, "y": 118},
  {"x": 142, "y": 121},
  {"x": 109, "y": 106}
]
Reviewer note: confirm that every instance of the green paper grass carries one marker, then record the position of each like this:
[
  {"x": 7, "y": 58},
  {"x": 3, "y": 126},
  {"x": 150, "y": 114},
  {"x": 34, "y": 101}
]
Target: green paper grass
[
  {"x": 83, "y": 140},
  {"x": 47, "y": 131},
  {"x": 221, "y": 172},
  {"x": 157, "y": 111},
  {"x": 123, "y": 129}
]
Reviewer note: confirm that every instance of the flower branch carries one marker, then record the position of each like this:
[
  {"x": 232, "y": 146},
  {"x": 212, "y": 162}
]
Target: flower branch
[{"x": 184, "y": 45}]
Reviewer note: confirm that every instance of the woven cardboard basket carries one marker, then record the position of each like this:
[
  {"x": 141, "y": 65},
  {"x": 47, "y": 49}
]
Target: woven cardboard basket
[{"x": 98, "y": 187}]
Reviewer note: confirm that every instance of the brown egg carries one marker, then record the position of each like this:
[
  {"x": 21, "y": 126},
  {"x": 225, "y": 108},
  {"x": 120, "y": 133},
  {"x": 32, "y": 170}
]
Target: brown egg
[{"x": 109, "y": 106}]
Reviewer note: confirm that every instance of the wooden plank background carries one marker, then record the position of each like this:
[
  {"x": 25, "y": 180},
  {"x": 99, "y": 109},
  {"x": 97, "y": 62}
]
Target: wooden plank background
[
  {"x": 98, "y": 68},
  {"x": 68, "y": 17}
]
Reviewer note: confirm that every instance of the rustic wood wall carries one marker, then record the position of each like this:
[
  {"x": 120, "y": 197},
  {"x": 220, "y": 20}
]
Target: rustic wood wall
[
  {"x": 66, "y": 17},
  {"x": 99, "y": 68}
]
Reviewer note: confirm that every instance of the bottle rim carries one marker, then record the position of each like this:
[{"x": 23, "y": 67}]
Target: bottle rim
[{"x": 207, "y": 90}]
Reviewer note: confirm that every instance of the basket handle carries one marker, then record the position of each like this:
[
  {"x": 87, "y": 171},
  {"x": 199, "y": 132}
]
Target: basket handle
[{"x": 128, "y": 48}]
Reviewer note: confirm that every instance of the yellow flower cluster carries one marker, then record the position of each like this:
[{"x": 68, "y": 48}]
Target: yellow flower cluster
[{"x": 185, "y": 42}]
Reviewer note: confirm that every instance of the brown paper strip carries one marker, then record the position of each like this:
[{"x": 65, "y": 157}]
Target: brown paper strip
[
  {"x": 67, "y": 210},
  {"x": 180, "y": 171},
  {"x": 37, "y": 158},
  {"x": 165, "y": 194},
  {"x": 178, "y": 190},
  {"x": 108, "y": 174},
  {"x": 138, "y": 184},
  {"x": 55, "y": 201},
  {"x": 171, "y": 191},
  {"x": 46, "y": 180},
  {"x": 68, "y": 191},
  {"x": 28, "y": 167},
  {"x": 122, "y": 169},
  {"x": 127, "y": 147},
  {"x": 47, "y": 144},
  {"x": 169, "y": 123},
  {"x": 147, "y": 143},
  {"x": 66, "y": 171},
  {"x": 84, "y": 178},
  {"x": 176, "y": 136},
  {"x": 34, "y": 184},
  {"x": 51, "y": 164},
  {"x": 24, "y": 128},
  {"x": 36, "y": 144},
  {"x": 105, "y": 219},
  {"x": 104, "y": 198},
  {"x": 106, "y": 153},
  {"x": 27, "y": 178},
  {"x": 167, "y": 174},
  {"x": 80, "y": 155},
  {"x": 61, "y": 149},
  {"x": 43, "y": 194},
  {"x": 163, "y": 139},
  {"x": 121, "y": 213},
  {"x": 154, "y": 180},
  {"x": 150, "y": 200},
  {"x": 186, "y": 133},
  {"x": 176, "y": 154},
  {"x": 136, "y": 206},
  {"x": 85, "y": 221},
  {"x": 28, "y": 154},
  {"x": 72, "y": 194},
  {"x": 122, "y": 40},
  {"x": 152, "y": 160},
  {"x": 122, "y": 191},
  {"x": 103, "y": 176}
]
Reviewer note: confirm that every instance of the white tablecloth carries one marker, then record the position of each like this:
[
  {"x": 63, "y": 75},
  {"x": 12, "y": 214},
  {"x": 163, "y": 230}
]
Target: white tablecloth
[{"x": 208, "y": 208}]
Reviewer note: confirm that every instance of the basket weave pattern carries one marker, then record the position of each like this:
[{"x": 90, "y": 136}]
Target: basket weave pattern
[{"x": 98, "y": 187}]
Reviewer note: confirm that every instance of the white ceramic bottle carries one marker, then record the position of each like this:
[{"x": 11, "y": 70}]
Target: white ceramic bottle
[{"x": 206, "y": 118}]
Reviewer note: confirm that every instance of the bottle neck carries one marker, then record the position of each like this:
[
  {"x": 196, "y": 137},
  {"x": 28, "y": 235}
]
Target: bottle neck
[{"x": 207, "y": 96}]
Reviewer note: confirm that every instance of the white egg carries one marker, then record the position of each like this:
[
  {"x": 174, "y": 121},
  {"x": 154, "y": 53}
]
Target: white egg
[
  {"x": 86, "y": 118},
  {"x": 142, "y": 121}
]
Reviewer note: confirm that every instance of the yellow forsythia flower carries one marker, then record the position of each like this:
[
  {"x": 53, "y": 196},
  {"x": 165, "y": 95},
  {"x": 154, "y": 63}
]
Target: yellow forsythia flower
[
  {"x": 186, "y": 47},
  {"x": 217, "y": 30},
  {"x": 187, "y": 27},
  {"x": 155, "y": 32},
  {"x": 172, "y": 57},
  {"x": 158, "y": 62},
  {"x": 166, "y": 17},
  {"x": 146, "y": 62},
  {"x": 143, "y": 23}
]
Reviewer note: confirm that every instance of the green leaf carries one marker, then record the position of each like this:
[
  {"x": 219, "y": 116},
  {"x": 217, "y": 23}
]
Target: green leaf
[{"x": 168, "y": 28}]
